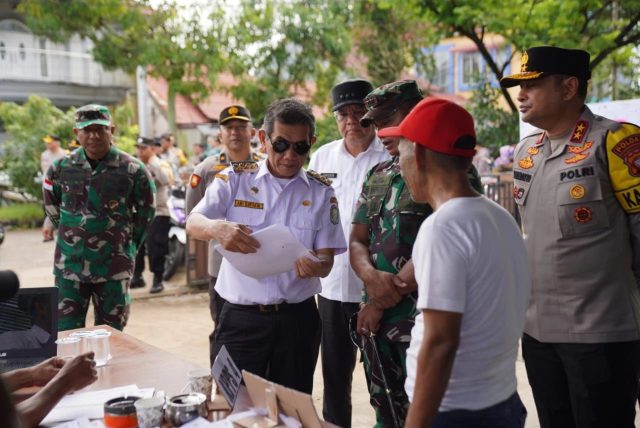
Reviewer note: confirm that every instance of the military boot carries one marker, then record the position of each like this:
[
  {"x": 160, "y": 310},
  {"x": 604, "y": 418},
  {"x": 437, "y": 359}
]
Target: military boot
[
  {"x": 137, "y": 281},
  {"x": 157, "y": 285}
]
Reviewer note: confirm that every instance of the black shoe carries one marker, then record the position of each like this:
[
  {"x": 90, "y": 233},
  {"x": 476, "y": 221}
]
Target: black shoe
[
  {"x": 157, "y": 286},
  {"x": 137, "y": 282}
]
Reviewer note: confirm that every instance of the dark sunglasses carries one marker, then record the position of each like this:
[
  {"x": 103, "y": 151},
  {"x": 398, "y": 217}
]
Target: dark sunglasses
[{"x": 281, "y": 145}]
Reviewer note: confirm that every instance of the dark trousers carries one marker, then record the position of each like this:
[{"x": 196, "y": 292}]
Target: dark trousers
[
  {"x": 581, "y": 384},
  {"x": 338, "y": 360},
  {"x": 279, "y": 346},
  {"x": 508, "y": 414},
  {"x": 215, "y": 307},
  {"x": 156, "y": 245}
]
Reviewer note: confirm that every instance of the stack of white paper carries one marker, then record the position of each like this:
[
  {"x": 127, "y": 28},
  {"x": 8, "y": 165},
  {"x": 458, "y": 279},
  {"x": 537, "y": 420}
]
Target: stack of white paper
[{"x": 90, "y": 404}]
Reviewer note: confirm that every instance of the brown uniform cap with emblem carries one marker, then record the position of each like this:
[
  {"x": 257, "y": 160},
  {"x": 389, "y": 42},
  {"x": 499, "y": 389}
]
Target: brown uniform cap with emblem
[
  {"x": 234, "y": 112},
  {"x": 385, "y": 100},
  {"x": 542, "y": 61}
]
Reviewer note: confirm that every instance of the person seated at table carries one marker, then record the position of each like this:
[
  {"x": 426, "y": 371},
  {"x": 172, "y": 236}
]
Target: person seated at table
[{"x": 57, "y": 379}]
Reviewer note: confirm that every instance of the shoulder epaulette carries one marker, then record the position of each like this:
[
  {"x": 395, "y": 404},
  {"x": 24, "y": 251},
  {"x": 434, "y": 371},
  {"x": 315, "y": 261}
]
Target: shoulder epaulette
[
  {"x": 611, "y": 125},
  {"x": 257, "y": 156},
  {"x": 318, "y": 177},
  {"x": 245, "y": 166},
  {"x": 533, "y": 134}
]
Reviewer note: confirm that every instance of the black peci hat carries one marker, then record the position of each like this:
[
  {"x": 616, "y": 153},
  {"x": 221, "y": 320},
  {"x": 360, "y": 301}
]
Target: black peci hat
[
  {"x": 542, "y": 61},
  {"x": 350, "y": 92}
]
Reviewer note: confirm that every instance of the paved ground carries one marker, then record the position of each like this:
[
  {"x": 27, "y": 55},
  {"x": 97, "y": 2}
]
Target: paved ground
[{"x": 178, "y": 320}]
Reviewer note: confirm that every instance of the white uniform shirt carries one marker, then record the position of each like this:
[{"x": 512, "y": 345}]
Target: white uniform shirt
[
  {"x": 257, "y": 200},
  {"x": 347, "y": 174}
]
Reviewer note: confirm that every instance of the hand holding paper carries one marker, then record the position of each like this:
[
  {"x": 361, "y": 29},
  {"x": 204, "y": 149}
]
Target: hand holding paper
[{"x": 278, "y": 252}]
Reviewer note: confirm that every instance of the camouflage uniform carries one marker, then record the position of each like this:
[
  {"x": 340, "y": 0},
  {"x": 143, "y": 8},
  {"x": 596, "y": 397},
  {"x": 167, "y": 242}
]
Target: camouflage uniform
[
  {"x": 101, "y": 215},
  {"x": 393, "y": 219}
]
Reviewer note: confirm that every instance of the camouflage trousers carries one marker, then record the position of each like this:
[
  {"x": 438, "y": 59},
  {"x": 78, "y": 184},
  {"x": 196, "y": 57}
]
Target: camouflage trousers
[
  {"x": 392, "y": 359},
  {"x": 384, "y": 358},
  {"x": 111, "y": 302}
]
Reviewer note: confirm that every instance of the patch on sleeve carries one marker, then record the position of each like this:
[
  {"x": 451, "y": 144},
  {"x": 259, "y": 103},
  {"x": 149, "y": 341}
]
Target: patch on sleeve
[
  {"x": 334, "y": 214},
  {"x": 623, "y": 152},
  {"x": 318, "y": 177},
  {"x": 195, "y": 180},
  {"x": 47, "y": 184}
]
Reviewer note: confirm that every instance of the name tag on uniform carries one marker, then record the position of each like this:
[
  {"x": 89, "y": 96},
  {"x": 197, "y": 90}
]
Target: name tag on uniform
[
  {"x": 248, "y": 204},
  {"x": 329, "y": 174}
]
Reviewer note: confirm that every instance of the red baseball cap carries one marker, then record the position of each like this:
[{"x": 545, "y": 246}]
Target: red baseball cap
[{"x": 439, "y": 125}]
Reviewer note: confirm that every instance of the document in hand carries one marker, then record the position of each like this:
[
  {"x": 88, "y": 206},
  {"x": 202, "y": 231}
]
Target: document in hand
[{"x": 278, "y": 253}]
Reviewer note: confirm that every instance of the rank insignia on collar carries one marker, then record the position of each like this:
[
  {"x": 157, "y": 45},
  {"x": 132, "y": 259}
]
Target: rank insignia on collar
[
  {"x": 583, "y": 215},
  {"x": 577, "y": 191},
  {"x": 579, "y": 131},
  {"x": 195, "y": 180},
  {"x": 526, "y": 163}
]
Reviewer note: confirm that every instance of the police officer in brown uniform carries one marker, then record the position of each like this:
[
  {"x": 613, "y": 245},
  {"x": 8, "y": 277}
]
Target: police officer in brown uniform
[
  {"x": 577, "y": 184},
  {"x": 236, "y": 132}
]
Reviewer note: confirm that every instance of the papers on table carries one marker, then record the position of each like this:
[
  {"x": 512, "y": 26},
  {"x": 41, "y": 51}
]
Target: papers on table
[
  {"x": 90, "y": 404},
  {"x": 278, "y": 253}
]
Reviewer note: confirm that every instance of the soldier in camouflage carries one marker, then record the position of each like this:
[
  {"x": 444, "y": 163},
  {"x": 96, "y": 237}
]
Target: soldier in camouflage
[
  {"x": 101, "y": 200},
  {"x": 385, "y": 226}
]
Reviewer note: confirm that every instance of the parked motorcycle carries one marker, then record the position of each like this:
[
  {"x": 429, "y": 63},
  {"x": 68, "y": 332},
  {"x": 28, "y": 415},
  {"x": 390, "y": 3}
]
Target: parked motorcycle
[{"x": 177, "y": 232}]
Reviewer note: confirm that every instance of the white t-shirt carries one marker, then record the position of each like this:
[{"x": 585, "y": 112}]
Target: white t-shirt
[
  {"x": 469, "y": 258},
  {"x": 347, "y": 174}
]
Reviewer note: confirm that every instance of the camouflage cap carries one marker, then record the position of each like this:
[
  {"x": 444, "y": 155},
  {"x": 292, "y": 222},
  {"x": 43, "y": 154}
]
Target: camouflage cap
[
  {"x": 385, "y": 100},
  {"x": 92, "y": 114}
]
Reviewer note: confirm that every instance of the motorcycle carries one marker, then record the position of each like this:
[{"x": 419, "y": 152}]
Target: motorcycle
[{"x": 177, "y": 233}]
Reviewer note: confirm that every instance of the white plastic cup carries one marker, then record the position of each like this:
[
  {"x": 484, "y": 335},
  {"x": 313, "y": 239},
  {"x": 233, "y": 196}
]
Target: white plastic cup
[
  {"x": 200, "y": 381},
  {"x": 150, "y": 412},
  {"x": 68, "y": 347},
  {"x": 99, "y": 344},
  {"x": 84, "y": 343}
]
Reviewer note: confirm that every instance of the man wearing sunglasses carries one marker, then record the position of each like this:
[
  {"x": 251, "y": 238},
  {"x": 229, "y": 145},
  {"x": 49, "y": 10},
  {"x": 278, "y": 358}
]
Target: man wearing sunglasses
[
  {"x": 236, "y": 132},
  {"x": 101, "y": 200},
  {"x": 271, "y": 326},
  {"x": 345, "y": 162}
]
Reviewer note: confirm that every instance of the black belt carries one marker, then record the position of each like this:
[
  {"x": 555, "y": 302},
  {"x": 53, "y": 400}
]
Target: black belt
[{"x": 276, "y": 307}]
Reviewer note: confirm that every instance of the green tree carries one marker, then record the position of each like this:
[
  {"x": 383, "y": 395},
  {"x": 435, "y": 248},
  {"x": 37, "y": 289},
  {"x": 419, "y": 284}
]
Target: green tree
[
  {"x": 276, "y": 49},
  {"x": 495, "y": 126},
  {"x": 26, "y": 125},
  {"x": 600, "y": 26},
  {"x": 129, "y": 33}
]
